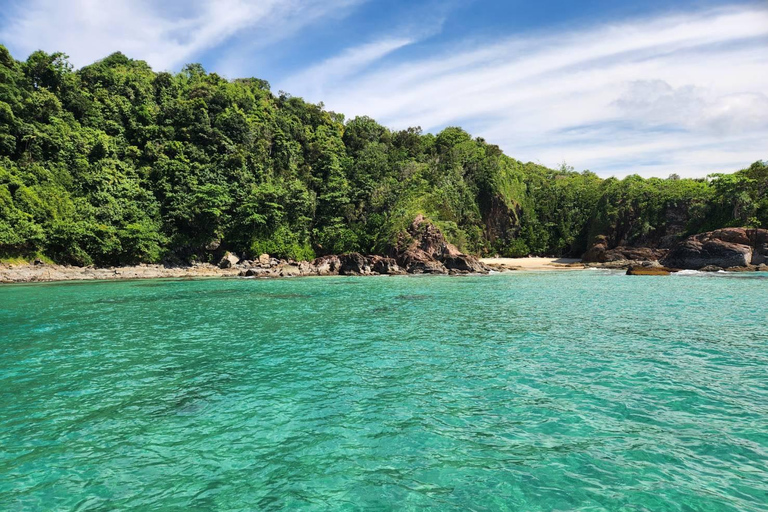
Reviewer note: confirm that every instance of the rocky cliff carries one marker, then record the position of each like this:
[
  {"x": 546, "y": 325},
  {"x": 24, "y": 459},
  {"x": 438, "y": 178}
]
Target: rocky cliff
[{"x": 723, "y": 248}]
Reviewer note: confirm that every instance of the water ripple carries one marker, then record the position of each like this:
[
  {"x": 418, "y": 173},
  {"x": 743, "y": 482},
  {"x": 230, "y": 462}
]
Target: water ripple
[{"x": 534, "y": 391}]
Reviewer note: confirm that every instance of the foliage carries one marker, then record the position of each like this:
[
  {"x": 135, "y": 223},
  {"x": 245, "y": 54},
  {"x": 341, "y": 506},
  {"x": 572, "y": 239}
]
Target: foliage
[{"x": 116, "y": 164}]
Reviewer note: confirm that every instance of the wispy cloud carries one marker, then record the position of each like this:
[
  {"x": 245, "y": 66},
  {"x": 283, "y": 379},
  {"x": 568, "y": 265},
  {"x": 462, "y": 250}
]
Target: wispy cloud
[
  {"x": 166, "y": 34},
  {"x": 312, "y": 81},
  {"x": 681, "y": 93}
]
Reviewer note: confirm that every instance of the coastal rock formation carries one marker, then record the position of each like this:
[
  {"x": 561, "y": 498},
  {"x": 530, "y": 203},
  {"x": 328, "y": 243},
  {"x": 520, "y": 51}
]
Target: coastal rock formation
[
  {"x": 599, "y": 252},
  {"x": 384, "y": 265},
  {"x": 327, "y": 265},
  {"x": 229, "y": 260},
  {"x": 424, "y": 250},
  {"x": 648, "y": 271},
  {"x": 354, "y": 264},
  {"x": 725, "y": 248}
]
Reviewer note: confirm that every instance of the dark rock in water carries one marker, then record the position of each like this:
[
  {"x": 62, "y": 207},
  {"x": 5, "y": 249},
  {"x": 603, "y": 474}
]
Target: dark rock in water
[
  {"x": 229, "y": 260},
  {"x": 648, "y": 271},
  {"x": 354, "y": 264},
  {"x": 711, "y": 268},
  {"x": 726, "y": 248},
  {"x": 463, "y": 263}
]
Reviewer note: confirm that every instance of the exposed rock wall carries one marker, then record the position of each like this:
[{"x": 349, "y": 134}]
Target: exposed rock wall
[{"x": 724, "y": 248}]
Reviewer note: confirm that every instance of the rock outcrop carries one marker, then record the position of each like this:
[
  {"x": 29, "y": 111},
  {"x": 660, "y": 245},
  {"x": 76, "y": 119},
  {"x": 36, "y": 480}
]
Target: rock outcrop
[
  {"x": 384, "y": 265},
  {"x": 327, "y": 265},
  {"x": 724, "y": 248},
  {"x": 600, "y": 252},
  {"x": 354, "y": 264},
  {"x": 648, "y": 271},
  {"x": 229, "y": 260},
  {"x": 424, "y": 250}
]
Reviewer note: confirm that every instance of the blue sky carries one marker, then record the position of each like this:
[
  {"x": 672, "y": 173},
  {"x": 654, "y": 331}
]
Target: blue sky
[{"x": 648, "y": 87}]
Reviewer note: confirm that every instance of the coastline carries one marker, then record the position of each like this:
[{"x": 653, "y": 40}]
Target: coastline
[
  {"x": 45, "y": 272},
  {"x": 42, "y": 273}
]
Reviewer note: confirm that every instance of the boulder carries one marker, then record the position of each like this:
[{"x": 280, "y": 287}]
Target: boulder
[
  {"x": 726, "y": 248},
  {"x": 648, "y": 271},
  {"x": 327, "y": 265},
  {"x": 306, "y": 268},
  {"x": 264, "y": 259},
  {"x": 229, "y": 260},
  {"x": 258, "y": 272},
  {"x": 384, "y": 265},
  {"x": 463, "y": 263},
  {"x": 288, "y": 270},
  {"x": 426, "y": 267},
  {"x": 354, "y": 264}
]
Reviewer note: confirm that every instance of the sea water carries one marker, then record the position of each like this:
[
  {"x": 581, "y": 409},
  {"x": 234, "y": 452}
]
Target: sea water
[{"x": 524, "y": 391}]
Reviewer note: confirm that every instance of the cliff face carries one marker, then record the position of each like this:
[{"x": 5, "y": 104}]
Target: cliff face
[
  {"x": 724, "y": 248},
  {"x": 500, "y": 222},
  {"x": 424, "y": 249},
  {"x": 626, "y": 239}
]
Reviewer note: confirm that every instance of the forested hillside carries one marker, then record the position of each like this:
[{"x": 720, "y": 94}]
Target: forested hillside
[{"x": 117, "y": 164}]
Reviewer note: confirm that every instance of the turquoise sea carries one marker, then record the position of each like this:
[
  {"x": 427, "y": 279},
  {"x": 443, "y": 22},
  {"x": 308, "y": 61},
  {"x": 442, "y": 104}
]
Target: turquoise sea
[{"x": 524, "y": 391}]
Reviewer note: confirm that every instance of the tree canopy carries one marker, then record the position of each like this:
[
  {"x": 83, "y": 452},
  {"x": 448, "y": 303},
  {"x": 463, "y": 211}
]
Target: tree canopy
[{"x": 117, "y": 164}]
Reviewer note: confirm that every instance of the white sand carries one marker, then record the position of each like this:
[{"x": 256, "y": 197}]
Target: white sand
[{"x": 534, "y": 263}]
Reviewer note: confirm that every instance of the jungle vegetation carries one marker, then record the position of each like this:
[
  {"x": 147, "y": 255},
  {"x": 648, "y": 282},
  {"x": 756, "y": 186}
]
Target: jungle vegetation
[{"x": 117, "y": 164}]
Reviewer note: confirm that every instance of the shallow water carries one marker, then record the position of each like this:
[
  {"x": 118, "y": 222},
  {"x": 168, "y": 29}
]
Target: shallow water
[{"x": 528, "y": 391}]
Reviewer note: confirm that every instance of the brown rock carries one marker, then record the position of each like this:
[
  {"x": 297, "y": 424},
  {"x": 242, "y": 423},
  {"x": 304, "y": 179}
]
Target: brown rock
[
  {"x": 384, "y": 265},
  {"x": 354, "y": 264},
  {"x": 288, "y": 270},
  {"x": 424, "y": 250},
  {"x": 229, "y": 260},
  {"x": 601, "y": 253},
  {"x": 648, "y": 271},
  {"x": 327, "y": 265},
  {"x": 463, "y": 263},
  {"x": 726, "y": 248}
]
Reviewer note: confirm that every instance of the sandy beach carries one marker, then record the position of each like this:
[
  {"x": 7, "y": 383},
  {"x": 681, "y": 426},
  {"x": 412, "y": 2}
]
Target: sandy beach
[{"x": 533, "y": 263}]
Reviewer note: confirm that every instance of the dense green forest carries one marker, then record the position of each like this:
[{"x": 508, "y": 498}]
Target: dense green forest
[{"x": 116, "y": 164}]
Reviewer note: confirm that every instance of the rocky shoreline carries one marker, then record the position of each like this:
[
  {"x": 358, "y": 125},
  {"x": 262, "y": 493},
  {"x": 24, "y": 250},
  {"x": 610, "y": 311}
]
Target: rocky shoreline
[
  {"x": 727, "y": 249},
  {"x": 424, "y": 250},
  {"x": 352, "y": 264},
  {"x": 421, "y": 250}
]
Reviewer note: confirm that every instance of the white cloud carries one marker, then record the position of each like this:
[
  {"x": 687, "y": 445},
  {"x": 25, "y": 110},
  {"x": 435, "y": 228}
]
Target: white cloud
[
  {"x": 166, "y": 35},
  {"x": 682, "y": 93},
  {"x": 655, "y": 102},
  {"x": 336, "y": 69}
]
